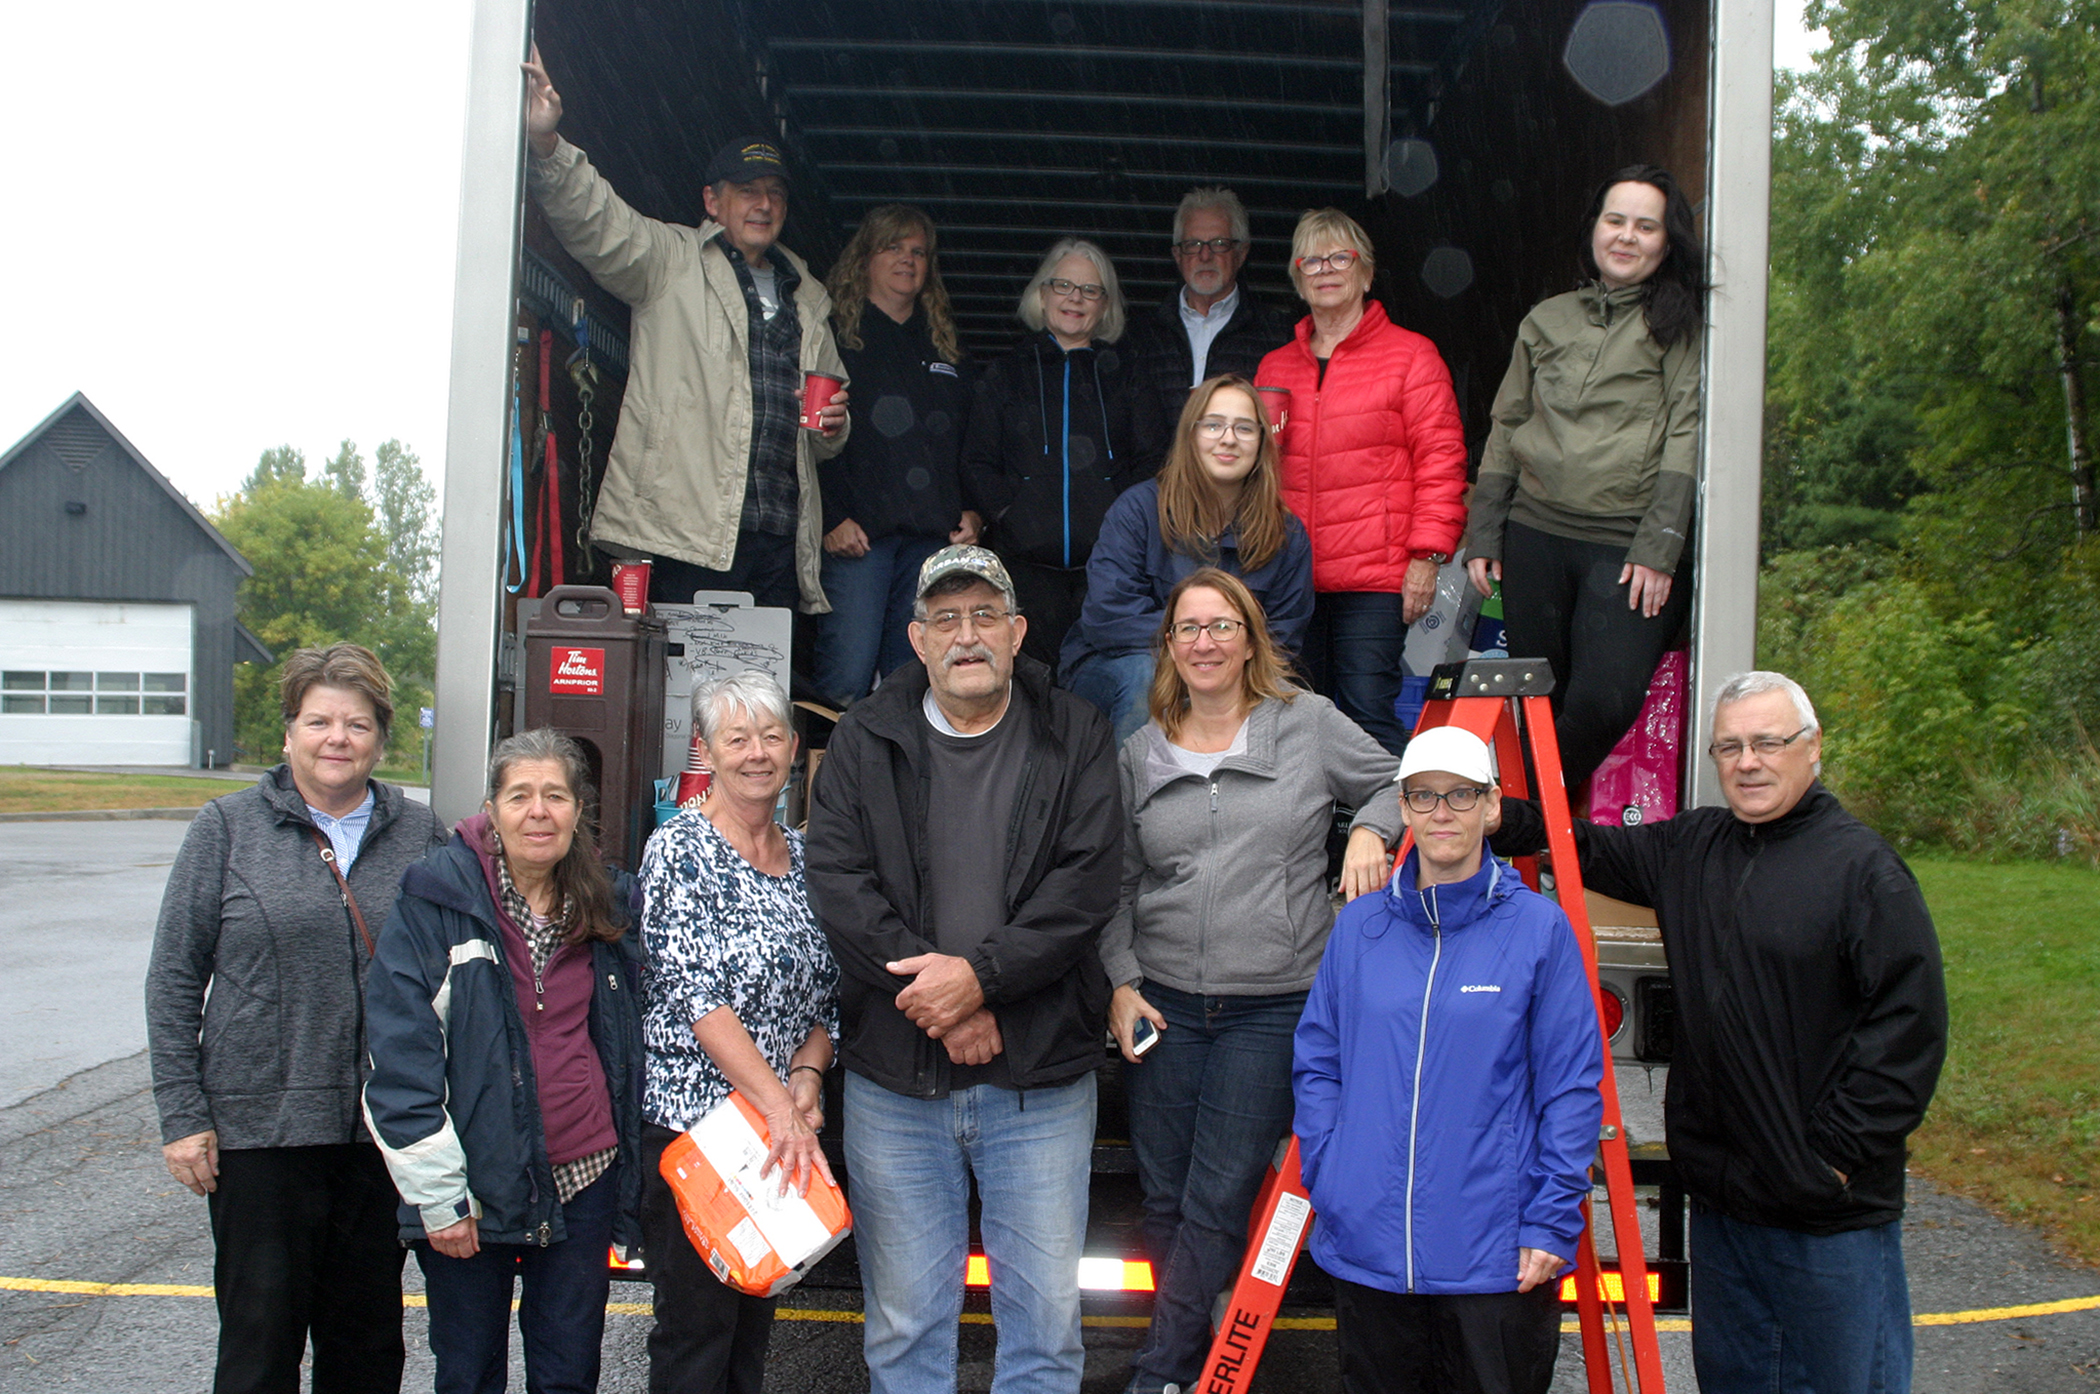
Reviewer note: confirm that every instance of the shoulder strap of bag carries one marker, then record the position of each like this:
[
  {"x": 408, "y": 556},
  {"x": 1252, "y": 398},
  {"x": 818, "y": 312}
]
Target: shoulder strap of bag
[{"x": 349, "y": 900}]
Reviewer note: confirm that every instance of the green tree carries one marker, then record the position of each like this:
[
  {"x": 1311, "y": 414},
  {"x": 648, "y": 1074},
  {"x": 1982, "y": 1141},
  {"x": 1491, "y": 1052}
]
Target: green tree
[
  {"x": 407, "y": 518},
  {"x": 331, "y": 565},
  {"x": 1929, "y": 514},
  {"x": 346, "y": 471},
  {"x": 281, "y": 462}
]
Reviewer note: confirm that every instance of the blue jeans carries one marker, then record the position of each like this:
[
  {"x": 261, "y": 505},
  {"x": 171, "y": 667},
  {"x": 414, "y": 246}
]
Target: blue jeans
[
  {"x": 1120, "y": 684},
  {"x": 1208, "y": 1105},
  {"x": 1776, "y": 1311},
  {"x": 911, "y": 1161},
  {"x": 561, "y": 1314},
  {"x": 864, "y": 636},
  {"x": 1352, "y": 654}
]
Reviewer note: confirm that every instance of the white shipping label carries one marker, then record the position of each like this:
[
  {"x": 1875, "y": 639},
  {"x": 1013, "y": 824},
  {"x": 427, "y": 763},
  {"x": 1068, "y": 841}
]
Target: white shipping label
[
  {"x": 1280, "y": 1244},
  {"x": 732, "y": 1147},
  {"x": 751, "y": 1246}
]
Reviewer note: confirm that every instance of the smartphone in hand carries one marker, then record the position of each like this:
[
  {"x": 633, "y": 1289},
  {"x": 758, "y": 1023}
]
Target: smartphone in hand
[{"x": 1143, "y": 1036}]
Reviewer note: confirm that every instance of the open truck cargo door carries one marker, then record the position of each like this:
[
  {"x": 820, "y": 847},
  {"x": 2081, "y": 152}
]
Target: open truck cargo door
[{"x": 1464, "y": 134}]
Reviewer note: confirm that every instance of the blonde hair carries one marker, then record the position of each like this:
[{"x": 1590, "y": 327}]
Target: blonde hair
[
  {"x": 1320, "y": 226},
  {"x": 1190, "y": 521},
  {"x": 1264, "y": 676},
  {"x": 848, "y": 282},
  {"x": 1110, "y": 326}
]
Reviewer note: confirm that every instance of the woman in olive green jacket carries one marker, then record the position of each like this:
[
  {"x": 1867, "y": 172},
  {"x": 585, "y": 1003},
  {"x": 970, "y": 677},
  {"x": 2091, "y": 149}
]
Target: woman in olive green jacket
[{"x": 1584, "y": 499}]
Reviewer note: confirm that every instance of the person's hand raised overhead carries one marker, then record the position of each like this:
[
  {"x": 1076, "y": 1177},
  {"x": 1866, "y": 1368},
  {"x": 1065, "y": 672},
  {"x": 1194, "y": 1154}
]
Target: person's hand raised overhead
[{"x": 542, "y": 106}]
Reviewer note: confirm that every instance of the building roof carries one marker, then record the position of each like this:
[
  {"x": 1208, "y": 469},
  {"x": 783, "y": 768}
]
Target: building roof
[{"x": 68, "y": 436}]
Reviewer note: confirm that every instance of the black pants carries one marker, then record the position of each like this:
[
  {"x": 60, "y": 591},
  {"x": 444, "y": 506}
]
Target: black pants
[
  {"x": 764, "y": 565},
  {"x": 1475, "y": 1343},
  {"x": 1050, "y": 596},
  {"x": 1562, "y": 601},
  {"x": 307, "y": 1243},
  {"x": 1353, "y": 652},
  {"x": 708, "y": 1337}
]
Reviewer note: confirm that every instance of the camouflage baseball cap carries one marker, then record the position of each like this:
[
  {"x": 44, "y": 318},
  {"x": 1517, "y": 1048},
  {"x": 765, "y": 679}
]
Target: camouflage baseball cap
[{"x": 980, "y": 562}]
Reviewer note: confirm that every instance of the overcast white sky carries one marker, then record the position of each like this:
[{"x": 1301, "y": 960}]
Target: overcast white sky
[{"x": 231, "y": 223}]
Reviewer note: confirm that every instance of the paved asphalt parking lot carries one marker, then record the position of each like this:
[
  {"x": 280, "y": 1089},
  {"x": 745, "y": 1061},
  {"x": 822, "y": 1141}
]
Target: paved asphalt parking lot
[{"x": 105, "y": 1263}]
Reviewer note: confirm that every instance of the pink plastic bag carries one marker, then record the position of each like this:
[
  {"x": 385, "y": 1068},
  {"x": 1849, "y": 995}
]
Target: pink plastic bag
[{"x": 1638, "y": 781}]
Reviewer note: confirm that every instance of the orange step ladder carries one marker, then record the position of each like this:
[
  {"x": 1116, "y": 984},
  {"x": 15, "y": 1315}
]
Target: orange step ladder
[{"x": 1486, "y": 697}]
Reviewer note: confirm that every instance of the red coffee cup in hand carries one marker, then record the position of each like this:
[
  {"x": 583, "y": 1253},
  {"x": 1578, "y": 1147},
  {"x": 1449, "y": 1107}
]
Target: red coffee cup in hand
[{"x": 817, "y": 391}]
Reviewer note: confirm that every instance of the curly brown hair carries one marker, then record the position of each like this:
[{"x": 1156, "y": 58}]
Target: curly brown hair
[{"x": 848, "y": 282}]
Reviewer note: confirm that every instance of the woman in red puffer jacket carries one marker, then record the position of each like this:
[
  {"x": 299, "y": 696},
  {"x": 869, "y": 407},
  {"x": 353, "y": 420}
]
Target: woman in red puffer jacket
[{"x": 1374, "y": 465}]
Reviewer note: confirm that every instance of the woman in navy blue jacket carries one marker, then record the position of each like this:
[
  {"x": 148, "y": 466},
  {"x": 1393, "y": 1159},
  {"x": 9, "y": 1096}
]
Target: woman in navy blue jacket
[
  {"x": 1446, "y": 1076},
  {"x": 1217, "y": 503},
  {"x": 504, "y": 1017}
]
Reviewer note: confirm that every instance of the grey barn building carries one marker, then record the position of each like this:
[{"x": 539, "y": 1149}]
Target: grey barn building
[{"x": 117, "y": 628}]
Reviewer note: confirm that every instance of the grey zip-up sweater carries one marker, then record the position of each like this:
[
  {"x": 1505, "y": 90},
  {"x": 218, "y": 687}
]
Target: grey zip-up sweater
[
  {"x": 1225, "y": 879},
  {"x": 275, "y": 1055}
]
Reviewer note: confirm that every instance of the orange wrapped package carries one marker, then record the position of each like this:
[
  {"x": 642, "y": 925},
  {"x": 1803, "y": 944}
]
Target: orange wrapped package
[{"x": 755, "y": 1239}]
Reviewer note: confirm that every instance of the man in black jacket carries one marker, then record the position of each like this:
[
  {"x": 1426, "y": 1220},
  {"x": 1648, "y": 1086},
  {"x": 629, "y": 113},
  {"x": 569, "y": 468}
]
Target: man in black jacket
[
  {"x": 1212, "y": 324},
  {"x": 965, "y": 842},
  {"x": 1812, "y": 1022}
]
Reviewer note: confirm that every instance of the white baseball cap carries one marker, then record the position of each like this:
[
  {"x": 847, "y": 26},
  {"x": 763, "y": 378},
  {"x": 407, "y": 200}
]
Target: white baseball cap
[{"x": 1451, "y": 751}]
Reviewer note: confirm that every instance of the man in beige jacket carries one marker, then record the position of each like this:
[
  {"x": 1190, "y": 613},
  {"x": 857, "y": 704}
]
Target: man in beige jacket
[{"x": 709, "y": 476}]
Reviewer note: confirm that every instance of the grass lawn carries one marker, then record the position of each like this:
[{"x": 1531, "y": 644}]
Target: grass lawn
[
  {"x": 26, "y": 790},
  {"x": 2016, "y": 1122}
]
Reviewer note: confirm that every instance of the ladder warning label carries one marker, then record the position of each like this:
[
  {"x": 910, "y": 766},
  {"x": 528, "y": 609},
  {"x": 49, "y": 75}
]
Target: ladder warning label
[{"x": 1280, "y": 1244}]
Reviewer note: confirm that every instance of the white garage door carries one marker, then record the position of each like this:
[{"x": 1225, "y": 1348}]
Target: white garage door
[{"x": 86, "y": 683}]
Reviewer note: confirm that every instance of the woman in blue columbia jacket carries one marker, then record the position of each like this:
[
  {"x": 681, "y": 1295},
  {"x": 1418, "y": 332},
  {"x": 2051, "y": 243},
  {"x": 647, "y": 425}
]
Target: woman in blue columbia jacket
[{"x": 1446, "y": 1078}]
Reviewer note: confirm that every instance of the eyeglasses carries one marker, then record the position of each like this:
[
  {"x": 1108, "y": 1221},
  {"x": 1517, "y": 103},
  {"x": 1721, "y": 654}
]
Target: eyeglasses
[
  {"x": 1223, "y": 631},
  {"x": 1462, "y": 799},
  {"x": 1728, "y": 752},
  {"x": 1339, "y": 261},
  {"x": 1058, "y": 285},
  {"x": 982, "y": 616},
  {"x": 1212, "y": 427},
  {"x": 1219, "y": 246}
]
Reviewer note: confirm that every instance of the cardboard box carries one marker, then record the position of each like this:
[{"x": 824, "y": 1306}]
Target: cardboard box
[
  {"x": 754, "y": 1238},
  {"x": 720, "y": 634}
]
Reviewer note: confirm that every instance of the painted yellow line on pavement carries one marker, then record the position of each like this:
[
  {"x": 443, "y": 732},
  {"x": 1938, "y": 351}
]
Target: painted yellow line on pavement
[{"x": 78, "y": 1288}]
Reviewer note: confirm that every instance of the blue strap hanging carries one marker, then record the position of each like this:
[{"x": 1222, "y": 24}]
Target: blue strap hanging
[{"x": 514, "y": 540}]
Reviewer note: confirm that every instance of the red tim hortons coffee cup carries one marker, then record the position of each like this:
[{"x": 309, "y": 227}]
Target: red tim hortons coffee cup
[
  {"x": 817, "y": 391},
  {"x": 631, "y": 582},
  {"x": 1277, "y": 402}
]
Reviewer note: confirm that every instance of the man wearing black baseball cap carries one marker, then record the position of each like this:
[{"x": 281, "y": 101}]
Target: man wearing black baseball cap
[{"x": 709, "y": 475}]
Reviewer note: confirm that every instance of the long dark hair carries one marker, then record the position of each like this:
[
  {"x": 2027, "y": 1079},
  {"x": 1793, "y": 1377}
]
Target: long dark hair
[
  {"x": 1675, "y": 296},
  {"x": 582, "y": 888}
]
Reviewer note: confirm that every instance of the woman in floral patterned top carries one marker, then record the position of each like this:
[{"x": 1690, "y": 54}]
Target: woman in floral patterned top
[{"x": 743, "y": 995}]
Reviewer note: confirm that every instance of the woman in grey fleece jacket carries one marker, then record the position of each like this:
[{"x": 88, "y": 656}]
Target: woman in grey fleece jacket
[
  {"x": 255, "y": 1020},
  {"x": 1229, "y": 792}
]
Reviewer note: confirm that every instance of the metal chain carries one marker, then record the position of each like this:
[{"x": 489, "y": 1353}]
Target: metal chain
[{"x": 585, "y": 375}]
